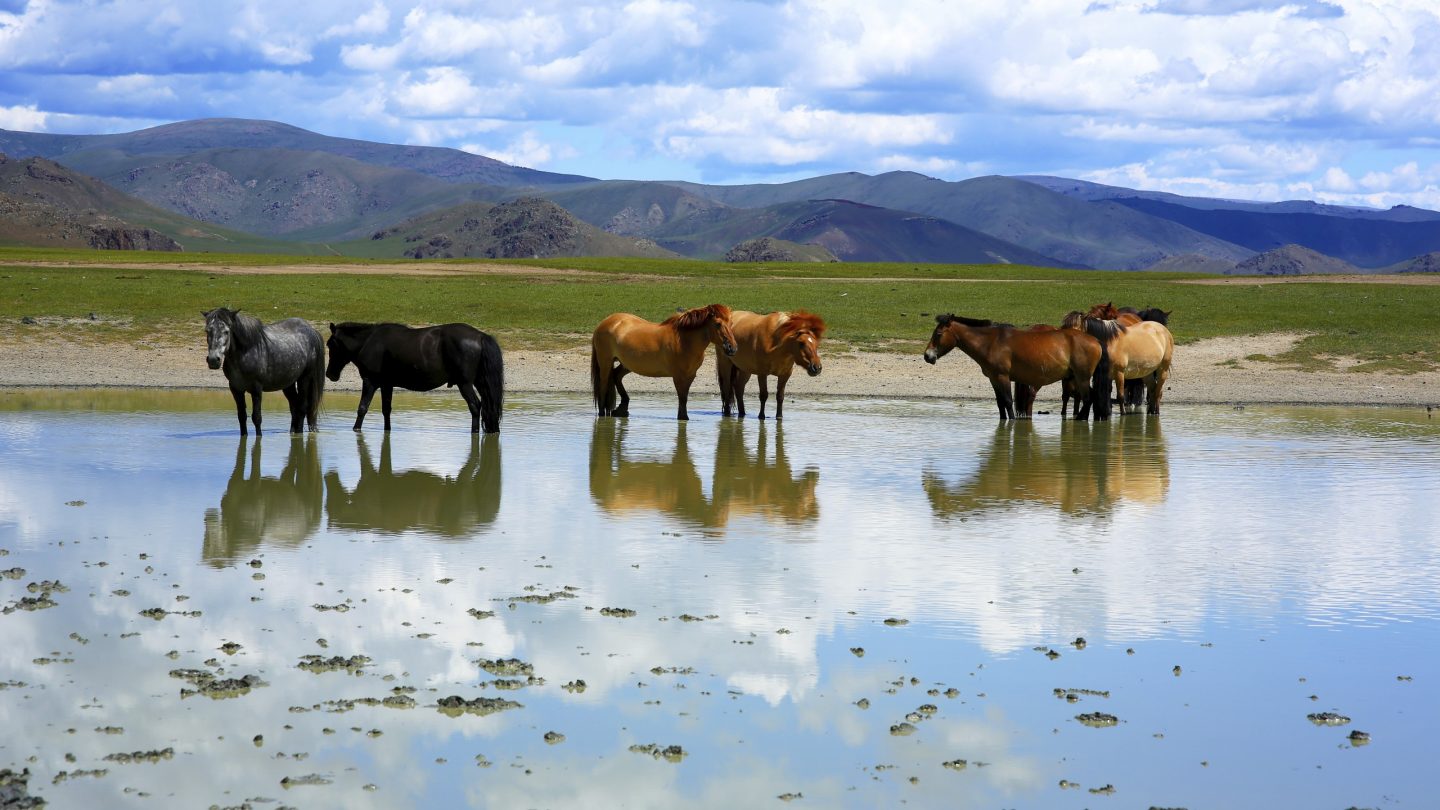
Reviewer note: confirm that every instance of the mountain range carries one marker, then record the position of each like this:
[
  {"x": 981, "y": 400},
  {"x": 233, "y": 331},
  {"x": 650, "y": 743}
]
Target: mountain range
[{"x": 241, "y": 185}]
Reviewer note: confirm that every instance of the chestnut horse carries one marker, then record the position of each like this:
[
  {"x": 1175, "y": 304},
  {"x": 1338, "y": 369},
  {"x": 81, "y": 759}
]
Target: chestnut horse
[
  {"x": 1137, "y": 349},
  {"x": 1005, "y": 353},
  {"x": 674, "y": 349},
  {"x": 765, "y": 345}
]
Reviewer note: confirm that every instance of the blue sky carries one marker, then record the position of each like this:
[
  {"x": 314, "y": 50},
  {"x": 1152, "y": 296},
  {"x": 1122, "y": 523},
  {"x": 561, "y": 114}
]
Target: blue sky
[{"x": 1257, "y": 99}]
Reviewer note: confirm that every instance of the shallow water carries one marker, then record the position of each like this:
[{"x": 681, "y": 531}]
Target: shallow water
[{"x": 1287, "y": 560}]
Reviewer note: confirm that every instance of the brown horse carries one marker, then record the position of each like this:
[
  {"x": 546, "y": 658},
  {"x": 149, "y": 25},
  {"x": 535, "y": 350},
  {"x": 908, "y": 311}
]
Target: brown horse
[
  {"x": 674, "y": 349},
  {"x": 1137, "y": 350},
  {"x": 1007, "y": 354},
  {"x": 767, "y": 345}
]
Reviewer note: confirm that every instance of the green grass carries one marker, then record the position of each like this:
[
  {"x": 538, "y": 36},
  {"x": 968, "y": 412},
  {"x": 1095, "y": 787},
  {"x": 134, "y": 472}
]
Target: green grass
[{"x": 1387, "y": 327}]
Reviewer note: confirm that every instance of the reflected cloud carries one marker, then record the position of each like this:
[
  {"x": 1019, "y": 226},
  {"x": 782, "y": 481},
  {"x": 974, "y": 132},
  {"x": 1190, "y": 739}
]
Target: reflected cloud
[
  {"x": 744, "y": 482},
  {"x": 259, "y": 510},
  {"x": 417, "y": 500},
  {"x": 1083, "y": 469}
]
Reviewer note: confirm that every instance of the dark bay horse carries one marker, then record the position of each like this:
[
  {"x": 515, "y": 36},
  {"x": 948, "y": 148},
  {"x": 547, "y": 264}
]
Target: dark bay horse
[
  {"x": 675, "y": 348},
  {"x": 286, "y": 356},
  {"x": 389, "y": 355},
  {"x": 1007, "y": 354},
  {"x": 767, "y": 345}
]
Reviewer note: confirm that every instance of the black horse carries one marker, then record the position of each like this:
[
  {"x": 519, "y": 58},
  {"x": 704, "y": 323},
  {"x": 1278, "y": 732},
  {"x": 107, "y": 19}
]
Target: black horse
[{"x": 389, "y": 355}]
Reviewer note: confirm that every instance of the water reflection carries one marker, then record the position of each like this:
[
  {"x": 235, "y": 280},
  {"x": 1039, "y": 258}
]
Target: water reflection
[
  {"x": 1082, "y": 469},
  {"x": 256, "y": 509},
  {"x": 386, "y": 501},
  {"x": 743, "y": 483}
]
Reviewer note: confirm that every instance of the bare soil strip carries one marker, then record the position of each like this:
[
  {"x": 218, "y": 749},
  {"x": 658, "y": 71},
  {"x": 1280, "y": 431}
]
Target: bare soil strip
[{"x": 1410, "y": 279}]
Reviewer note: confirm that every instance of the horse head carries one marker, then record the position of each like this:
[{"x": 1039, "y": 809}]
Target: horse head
[
  {"x": 344, "y": 342},
  {"x": 1103, "y": 312},
  {"x": 942, "y": 340},
  {"x": 802, "y": 331},
  {"x": 715, "y": 319},
  {"x": 219, "y": 323}
]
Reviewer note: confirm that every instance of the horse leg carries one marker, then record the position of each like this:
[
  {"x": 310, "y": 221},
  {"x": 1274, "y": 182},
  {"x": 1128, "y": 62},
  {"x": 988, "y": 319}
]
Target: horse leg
[
  {"x": 682, "y": 390},
  {"x": 617, "y": 380},
  {"x": 1118, "y": 374},
  {"x": 240, "y": 409},
  {"x": 1156, "y": 389},
  {"x": 780, "y": 396},
  {"x": 255, "y": 409},
  {"x": 472, "y": 400},
  {"x": 1002, "y": 397},
  {"x": 764, "y": 395},
  {"x": 742, "y": 381},
  {"x": 297, "y": 411},
  {"x": 367, "y": 393},
  {"x": 386, "y": 392},
  {"x": 725, "y": 375}
]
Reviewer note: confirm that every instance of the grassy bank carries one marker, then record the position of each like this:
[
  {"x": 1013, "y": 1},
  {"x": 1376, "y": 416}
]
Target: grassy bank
[{"x": 869, "y": 306}]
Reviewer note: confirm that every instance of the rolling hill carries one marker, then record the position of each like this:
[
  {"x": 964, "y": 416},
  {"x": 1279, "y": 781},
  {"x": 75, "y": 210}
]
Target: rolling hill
[{"x": 520, "y": 229}]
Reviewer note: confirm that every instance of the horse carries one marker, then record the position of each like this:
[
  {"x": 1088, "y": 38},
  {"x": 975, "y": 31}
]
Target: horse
[
  {"x": 1005, "y": 353},
  {"x": 766, "y": 345},
  {"x": 397, "y": 502},
  {"x": 1136, "y": 349},
  {"x": 390, "y": 354},
  {"x": 674, "y": 348},
  {"x": 286, "y": 356},
  {"x": 260, "y": 510}
]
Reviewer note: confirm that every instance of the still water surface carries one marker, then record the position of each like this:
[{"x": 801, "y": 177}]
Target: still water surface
[{"x": 1286, "y": 560}]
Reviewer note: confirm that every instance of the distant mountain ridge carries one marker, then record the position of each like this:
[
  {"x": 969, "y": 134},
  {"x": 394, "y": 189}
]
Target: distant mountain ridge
[{"x": 242, "y": 185}]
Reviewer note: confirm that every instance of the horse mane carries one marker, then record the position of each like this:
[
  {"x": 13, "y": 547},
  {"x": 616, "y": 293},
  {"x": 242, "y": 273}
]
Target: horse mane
[
  {"x": 697, "y": 317},
  {"x": 946, "y": 320},
  {"x": 1103, "y": 312},
  {"x": 1074, "y": 319},
  {"x": 246, "y": 330},
  {"x": 1103, "y": 329},
  {"x": 800, "y": 321}
]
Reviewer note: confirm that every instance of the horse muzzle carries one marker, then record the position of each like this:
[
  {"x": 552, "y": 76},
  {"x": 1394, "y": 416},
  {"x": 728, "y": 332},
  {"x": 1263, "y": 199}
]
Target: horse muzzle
[
  {"x": 813, "y": 370},
  {"x": 930, "y": 356},
  {"x": 729, "y": 349},
  {"x": 213, "y": 362}
]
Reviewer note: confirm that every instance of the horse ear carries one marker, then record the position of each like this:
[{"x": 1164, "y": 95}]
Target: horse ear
[{"x": 332, "y": 327}]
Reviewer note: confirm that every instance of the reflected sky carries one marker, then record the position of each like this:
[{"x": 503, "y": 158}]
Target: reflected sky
[{"x": 1272, "y": 554}]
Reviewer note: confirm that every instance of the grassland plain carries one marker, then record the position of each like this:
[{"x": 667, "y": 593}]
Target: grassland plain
[{"x": 49, "y": 295}]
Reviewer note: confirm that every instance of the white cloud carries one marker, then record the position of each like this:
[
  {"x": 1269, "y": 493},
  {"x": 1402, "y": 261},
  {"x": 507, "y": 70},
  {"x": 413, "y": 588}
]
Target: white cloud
[
  {"x": 28, "y": 118},
  {"x": 374, "y": 21},
  {"x": 527, "y": 150}
]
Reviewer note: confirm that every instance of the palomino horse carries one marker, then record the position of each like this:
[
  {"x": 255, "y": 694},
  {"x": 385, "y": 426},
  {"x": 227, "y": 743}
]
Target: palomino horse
[
  {"x": 674, "y": 349},
  {"x": 1005, "y": 353},
  {"x": 1141, "y": 350},
  {"x": 389, "y": 355},
  {"x": 766, "y": 345},
  {"x": 285, "y": 356}
]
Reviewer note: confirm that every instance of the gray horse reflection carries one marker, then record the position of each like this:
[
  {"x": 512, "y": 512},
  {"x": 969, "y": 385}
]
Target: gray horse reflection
[
  {"x": 258, "y": 511},
  {"x": 630, "y": 480},
  {"x": 1082, "y": 469},
  {"x": 384, "y": 500}
]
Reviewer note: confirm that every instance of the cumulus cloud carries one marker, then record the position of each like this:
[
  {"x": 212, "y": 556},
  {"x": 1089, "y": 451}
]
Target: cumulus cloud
[{"x": 26, "y": 118}]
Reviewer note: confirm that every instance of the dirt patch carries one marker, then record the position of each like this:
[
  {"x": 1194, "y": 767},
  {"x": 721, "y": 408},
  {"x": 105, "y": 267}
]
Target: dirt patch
[
  {"x": 328, "y": 268},
  {"x": 1412, "y": 279}
]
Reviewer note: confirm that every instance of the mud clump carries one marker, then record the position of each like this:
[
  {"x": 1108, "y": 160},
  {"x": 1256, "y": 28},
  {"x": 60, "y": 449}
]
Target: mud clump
[
  {"x": 670, "y": 753},
  {"x": 542, "y": 599},
  {"x": 481, "y": 614},
  {"x": 340, "y": 608},
  {"x": 618, "y": 613},
  {"x": 1328, "y": 719},
  {"x": 157, "y": 613},
  {"x": 213, "y": 686},
  {"x": 902, "y": 730},
  {"x": 896, "y": 622},
  {"x": 335, "y": 663},
  {"x": 790, "y": 797},
  {"x": 454, "y": 706},
  {"x": 1098, "y": 719},
  {"x": 505, "y": 667},
  {"x": 313, "y": 779},
  {"x": 64, "y": 776},
  {"x": 12, "y": 573},
  {"x": 132, "y": 757},
  {"x": 1107, "y": 790},
  {"x": 955, "y": 764},
  {"x": 554, "y": 738},
  {"x": 574, "y": 687},
  {"x": 1359, "y": 738},
  {"x": 30, "y": 603},
  {"x": 658, "y": 671},
  {"x": 15, "y": 792}
]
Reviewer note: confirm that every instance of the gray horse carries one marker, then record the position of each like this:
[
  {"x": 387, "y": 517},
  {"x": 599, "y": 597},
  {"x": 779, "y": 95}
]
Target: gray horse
[{"x": 287, "y": 356}]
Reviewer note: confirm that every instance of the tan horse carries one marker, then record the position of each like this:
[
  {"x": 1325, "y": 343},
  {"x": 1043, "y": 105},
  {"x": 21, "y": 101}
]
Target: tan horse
[
  {"x": 1007, "y": 354},
  {"x": 1138, "y": 350},
  {"x": 768, "y": 345},
  {"x": 674, "y": 349}
]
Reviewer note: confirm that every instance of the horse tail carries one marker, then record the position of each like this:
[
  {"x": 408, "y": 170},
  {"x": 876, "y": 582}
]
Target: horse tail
[
  {"x": 490, "y": 379},
  {"x": 315, "y": 383},
  {"x": 1100, "y": 384}
]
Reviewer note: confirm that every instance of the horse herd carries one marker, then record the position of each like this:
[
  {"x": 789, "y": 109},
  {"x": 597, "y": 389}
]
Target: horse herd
[{"x": 1087, "y": 352}]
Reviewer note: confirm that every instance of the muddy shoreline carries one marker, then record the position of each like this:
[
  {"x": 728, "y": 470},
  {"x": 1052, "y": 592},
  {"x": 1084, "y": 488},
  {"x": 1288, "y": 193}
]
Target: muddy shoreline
[{"x": 1211, "y": 371}]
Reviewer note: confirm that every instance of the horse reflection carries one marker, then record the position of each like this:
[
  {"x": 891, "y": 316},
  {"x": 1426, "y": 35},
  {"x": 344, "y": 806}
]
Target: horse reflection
[
  {"x": 1082, "y": 470},
  {"x": 625, "y": 481},
  {"x": 621, "y": 484},
  {"x": 416, "y": 500},
  {"x": 257, "y": 510},
  {"x": 756, "y": 485}
]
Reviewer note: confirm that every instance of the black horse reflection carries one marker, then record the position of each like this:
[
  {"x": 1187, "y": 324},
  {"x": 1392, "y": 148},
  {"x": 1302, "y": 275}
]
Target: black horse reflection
[
  {"x": 259, "y": 510},
  {"x": 1083, "y": 470},
  {"x": 624, "y": 482},
  {"x": 387, "y": 501}
]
